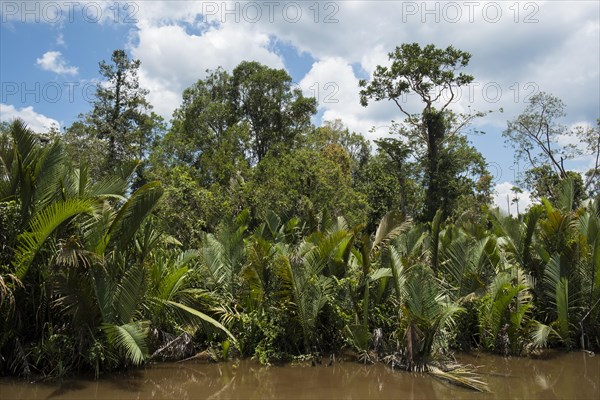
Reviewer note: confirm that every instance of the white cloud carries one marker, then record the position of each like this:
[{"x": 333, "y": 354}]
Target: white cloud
[
  {"x": 503, "y": 198},
  {"x": 533, "y": 46},
  {"x": 35, "y": 121},
  {"x": 53, "y": 61},
  {"x": 333, "y": 82},
  {"x": 173, "y": 59}
]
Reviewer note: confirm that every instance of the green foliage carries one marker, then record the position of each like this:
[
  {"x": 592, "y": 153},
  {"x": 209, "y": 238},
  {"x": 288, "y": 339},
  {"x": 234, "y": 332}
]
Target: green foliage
[
  {"x": 427, "y": 312},
  {"x": 432, "y": 68},
  {"x": 41, "y": 226},
  {"x": 263, "y": 98},
  {"x": 447, "y": 163},
  {"x": 90, "y": 290},
  {"x": 256, "y": 234},
  {"x": 310, "y": 184},
  {"x": 545, "y": 183},
  {"x": 384, "y": 189},
  {"x": 130, "y": 339},
  {"x": 504, "y": 311},
  {"x": 121, "y": 114}
]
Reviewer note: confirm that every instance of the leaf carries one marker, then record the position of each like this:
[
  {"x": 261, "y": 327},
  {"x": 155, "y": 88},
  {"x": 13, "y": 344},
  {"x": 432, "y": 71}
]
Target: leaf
[
  {"x": 541, "y": 333},
  {"x": 390, "y": 226},
  {"x": 557, "y": 289},
  {"x": 380, "y": 273},
  {"x": 132, "y": 214},
  {"x": 462, "y": 376},
  {"x": 398, "y": 273},
  {"x": 202, "y": 316},
  {"x": 43, "y": 224},
  {"x": 130, "y": 293},
  {"x": 129, "y": 338}
]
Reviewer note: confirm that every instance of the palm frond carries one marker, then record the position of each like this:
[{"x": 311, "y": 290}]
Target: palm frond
[
  {"x": 566, "y": 194},
  {"x": 556, "y": 289},
  {"x": 380, "y": 273},
  {"x": 132, "y": 214},
  {"x": 48, "y": 173},
  {"x": 42, "y": 225},
  {"x": 202, "y": 316},
  {"x": 390, "y": 226},
  {"x": 75, "y": 297},
  {"x": 130, "y": 293},
  {"x": 130, "y": 339},
  {"x": 462, "y": 376},
  {"x": 541, "y": 334}
]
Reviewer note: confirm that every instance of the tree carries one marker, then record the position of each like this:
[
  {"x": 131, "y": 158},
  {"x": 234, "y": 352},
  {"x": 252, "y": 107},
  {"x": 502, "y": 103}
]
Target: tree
[
  {"x": 515, "y": 200},
  {"x": 263, "y": 97},
  {"x": 433, "y": 75},
  {"x": 536, "y": 136},
  {"x": 229, "y": 121},
  {"x": 86, "y": 148},
  {"x": 335, "y": 132},
  {"x": 74, "y": 272},
  {"x": 206, "y": 136},
  {"x": 462, "y": 174},
  {"x": 310, "y": 184},
  {"x": 590, "y": 136},
  {"x": 387, "y": 186},
  {"x": 545, "y": 183},
  {"x": 121, "y": 115}
]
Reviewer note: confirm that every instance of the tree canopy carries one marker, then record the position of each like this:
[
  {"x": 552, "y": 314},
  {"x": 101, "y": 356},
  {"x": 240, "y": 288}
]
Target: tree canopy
[{"x": 433, "y": 75}]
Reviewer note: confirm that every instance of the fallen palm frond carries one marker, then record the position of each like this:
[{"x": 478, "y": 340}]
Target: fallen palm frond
[{"x": 462, "y": 375}]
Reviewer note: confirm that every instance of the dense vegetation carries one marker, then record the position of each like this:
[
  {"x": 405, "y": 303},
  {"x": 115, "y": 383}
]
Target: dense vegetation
[{"x": 240, "y": 227}]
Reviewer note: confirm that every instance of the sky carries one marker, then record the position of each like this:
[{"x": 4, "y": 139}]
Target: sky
[{"x": 50, "y": 50}]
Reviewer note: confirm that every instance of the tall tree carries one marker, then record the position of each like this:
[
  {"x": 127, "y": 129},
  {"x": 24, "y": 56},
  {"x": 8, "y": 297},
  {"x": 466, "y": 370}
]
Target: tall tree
[
  {"x": 538, "y": 138},
  {"x": 335, "y": 132},
  {"x": 121, "y": 115},
  {"x": 546, "y": 183},
  {"x": 205, "y": 134},
  {"x": 228, "y": 121},
  {"x": 433, "y": 75},
  {"x": 276, "y": 113}
]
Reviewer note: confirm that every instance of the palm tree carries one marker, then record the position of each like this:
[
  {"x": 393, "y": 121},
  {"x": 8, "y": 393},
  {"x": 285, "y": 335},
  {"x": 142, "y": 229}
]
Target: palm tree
[
  {"x": 31, "y": 176},
  {"x": 79, "y": 260},
  {"x": 300, "y": 269}
]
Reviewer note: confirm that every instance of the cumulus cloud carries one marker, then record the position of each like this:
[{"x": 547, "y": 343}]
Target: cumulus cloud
[
  {"x": 35, "y": 121},
  {"x": 173, "y": 59},
  {"x": 176, "y": 45},
  {"x": 53, "y": 61},
  {"x": 336, "y": 87},
  {"x": 503, "y": 198}
]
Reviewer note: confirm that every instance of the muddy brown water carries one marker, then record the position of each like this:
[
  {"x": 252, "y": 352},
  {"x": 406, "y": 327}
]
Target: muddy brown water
[{"x": 562, "y": 376}]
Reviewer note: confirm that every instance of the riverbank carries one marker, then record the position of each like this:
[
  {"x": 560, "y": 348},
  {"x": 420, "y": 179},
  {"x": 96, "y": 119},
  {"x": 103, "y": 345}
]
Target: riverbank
[{"x": 559, "y": 376}]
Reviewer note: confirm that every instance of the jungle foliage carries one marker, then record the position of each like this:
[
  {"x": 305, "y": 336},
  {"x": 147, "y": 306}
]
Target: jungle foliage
[{"x": 246, "y": 231}]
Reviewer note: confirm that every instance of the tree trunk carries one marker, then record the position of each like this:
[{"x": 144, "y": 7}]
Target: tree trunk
[{"x": 434, "y": 122}]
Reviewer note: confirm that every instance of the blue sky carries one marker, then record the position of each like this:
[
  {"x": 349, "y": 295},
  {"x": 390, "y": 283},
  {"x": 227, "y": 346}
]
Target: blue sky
[{"x": 49, "y": 54}]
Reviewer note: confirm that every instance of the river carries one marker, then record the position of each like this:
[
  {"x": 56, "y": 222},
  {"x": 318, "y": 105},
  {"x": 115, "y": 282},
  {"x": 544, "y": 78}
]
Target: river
[{"x": 562, "y": 376}]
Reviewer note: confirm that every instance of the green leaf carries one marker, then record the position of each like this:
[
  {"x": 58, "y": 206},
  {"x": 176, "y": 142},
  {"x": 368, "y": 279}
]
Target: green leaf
[
  {"x": 202, "y": 316},
  {"x": 43, "y": 224},
  {"x": 129, "y": 338},
  {"x": 132, "y": 214}
]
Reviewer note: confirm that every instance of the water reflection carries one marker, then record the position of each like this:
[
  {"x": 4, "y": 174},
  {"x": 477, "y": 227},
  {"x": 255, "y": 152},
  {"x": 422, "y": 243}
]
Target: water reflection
[{"x": 573, "y": 375}]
